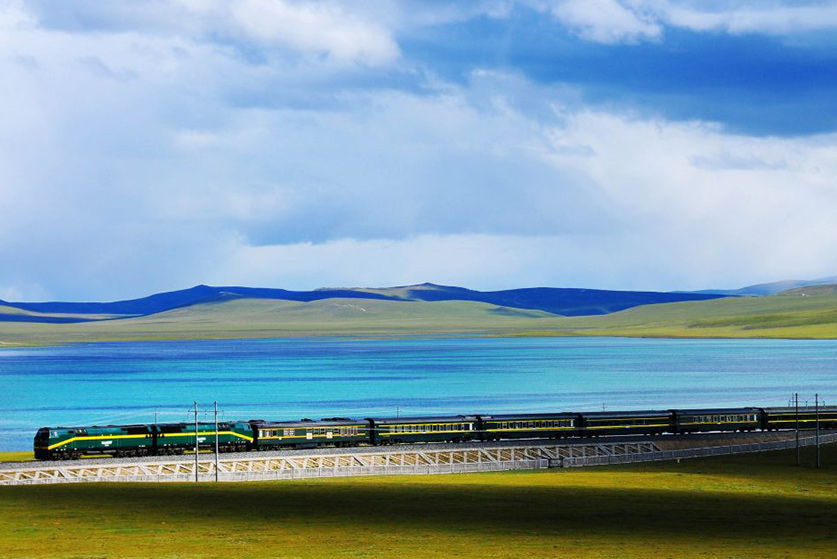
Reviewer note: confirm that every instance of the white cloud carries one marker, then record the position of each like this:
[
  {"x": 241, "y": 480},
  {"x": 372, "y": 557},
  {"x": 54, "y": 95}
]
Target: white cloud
[
  {"x": 337, "y": 30},
  {"x": 605, "y": 21},
  {"x": 129, "y": 164},
  {"x": 762, "y": 220},
  {"x": 315, "y": 26},
  {"x": 749, "y": 17},
  {"x": 630, "y": 21}
]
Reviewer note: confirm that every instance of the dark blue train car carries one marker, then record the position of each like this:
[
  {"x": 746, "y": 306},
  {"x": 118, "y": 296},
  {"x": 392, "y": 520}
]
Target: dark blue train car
[
  {"x": 723, "y": 419},
  {"x": 529, "y": 426},
  {"x": 646, "y": 422}
]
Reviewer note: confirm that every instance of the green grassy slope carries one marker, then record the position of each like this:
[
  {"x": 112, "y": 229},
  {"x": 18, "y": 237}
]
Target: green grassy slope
[
  {"x": 257, "y": 318},
  {"x": 802, "y": 313},
  {"x": 12, "y": 311},
  {"x": 744, "y": 507}
]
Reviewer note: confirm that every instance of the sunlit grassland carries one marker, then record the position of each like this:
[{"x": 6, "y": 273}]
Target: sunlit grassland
[
  {"x": 260, "y": 318},
  {"x": 16, "y": 456},
  {"x": 747, "y": 507},
  {"x": 804, "y": 313}
]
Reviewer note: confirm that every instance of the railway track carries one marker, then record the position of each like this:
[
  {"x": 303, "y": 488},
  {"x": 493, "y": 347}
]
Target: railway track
[{"x": 679, "y": 441}]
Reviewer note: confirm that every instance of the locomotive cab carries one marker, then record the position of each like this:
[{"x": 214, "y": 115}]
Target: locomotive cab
[{"x": 42, "y": 444}]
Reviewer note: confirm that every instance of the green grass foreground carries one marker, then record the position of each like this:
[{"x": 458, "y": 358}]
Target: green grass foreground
[
  {"x": 736, "y": 507},
  {"x": 16, "y": 456}
]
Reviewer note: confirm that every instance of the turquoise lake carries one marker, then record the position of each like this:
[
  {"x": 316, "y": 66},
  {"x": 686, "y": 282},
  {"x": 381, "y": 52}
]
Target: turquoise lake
[{"x": 293, "y": 378}]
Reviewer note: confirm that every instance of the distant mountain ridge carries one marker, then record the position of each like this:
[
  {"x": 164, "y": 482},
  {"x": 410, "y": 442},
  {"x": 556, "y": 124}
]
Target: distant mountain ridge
[
  {"x": 559, "y": 301},
  {"x": 765, "y": 289}
]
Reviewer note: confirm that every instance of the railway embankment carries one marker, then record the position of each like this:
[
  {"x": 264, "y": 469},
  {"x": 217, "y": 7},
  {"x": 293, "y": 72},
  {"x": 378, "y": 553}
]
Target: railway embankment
[{"x": 403, "y": 459}]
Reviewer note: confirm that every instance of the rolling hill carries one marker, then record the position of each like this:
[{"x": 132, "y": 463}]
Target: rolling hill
[
  {"x": 799, "y": 313},
  {"x": 560, "y": 301},
  {"x": 763, "y": 289},
  {"x": 807, "y": 312}
]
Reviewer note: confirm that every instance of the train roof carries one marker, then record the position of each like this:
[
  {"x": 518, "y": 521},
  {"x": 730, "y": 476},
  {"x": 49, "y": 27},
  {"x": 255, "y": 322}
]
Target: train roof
[
  {"x": 628, "y": 413},
  {"x": 713, "y": 411},
  {"x": 425, "y": 419},
  {"x": 132, "y": 425},
  {"x": 517, "y": 416},
  {"x": 310, "y": 423},
  {"x": 802, "y": 409}
]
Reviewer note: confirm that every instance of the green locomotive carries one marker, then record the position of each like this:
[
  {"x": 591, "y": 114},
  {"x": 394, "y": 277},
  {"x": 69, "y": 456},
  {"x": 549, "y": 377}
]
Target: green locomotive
[{"x": 62, "y": 443}]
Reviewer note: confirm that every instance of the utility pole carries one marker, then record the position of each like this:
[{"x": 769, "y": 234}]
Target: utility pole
[
  {"x": 216, "y": 441},
  {"x": 817, "y": 408},
  {"x": 798, "y": 457},
  {"x": 196, "y": 441}
]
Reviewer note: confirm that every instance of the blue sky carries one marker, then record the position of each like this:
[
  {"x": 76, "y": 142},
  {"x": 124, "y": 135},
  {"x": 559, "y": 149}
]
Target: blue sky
[{"x": 625, "y": 144}]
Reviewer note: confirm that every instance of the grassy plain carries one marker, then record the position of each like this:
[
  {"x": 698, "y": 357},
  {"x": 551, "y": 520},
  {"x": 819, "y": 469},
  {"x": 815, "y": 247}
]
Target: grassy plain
[
  {"x": 800, "y": 313},
  {"x": 754, "y": 506},
  {"x": 803, "y": 313},
  {"x": 16, "y": 456}
]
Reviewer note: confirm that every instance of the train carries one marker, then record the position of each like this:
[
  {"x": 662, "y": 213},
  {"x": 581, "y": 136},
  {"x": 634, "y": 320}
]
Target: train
[{"x": 63, "y": 443}]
